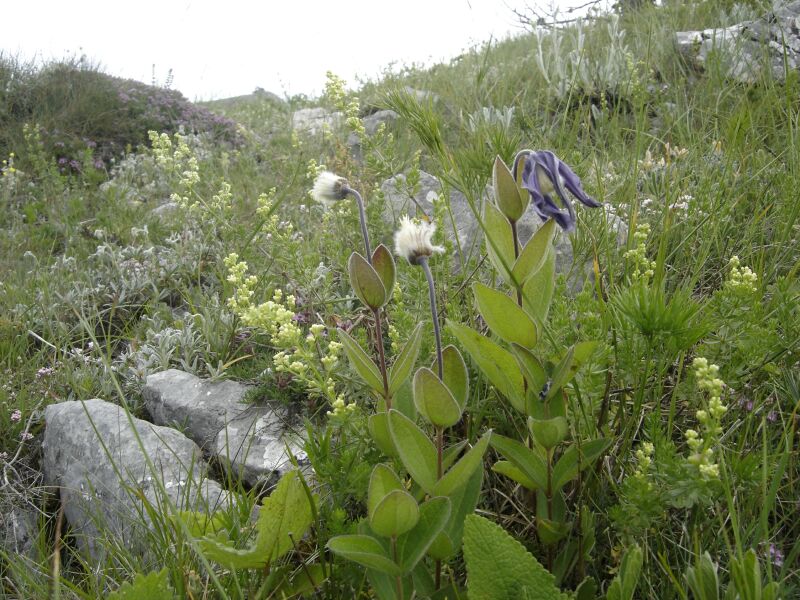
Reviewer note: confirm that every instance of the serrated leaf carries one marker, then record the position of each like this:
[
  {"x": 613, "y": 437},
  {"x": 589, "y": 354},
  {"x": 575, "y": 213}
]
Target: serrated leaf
[
  {"x": 506, "y": 192},
  {"x": 500, "y": 568},
  {"x": 366, "y": 282},
  {"x": 434, "y": 400},
  {"x": 153, "y": 586},
  {"x": 460, "y": 473},
  {"x": 404, "y": 363},
  {"x": 499, "y": 241},
  {"x": 566, "y": 469},
  {"x": 455, "y": 375},
  {"x": 534, "y": 254},
  {"x": 522, "y": 457},
  {"x": 364, "y": 550},
  {"x": 383, "y": 263},
  {"x": 498, "y": 364},
  {"x": 433, "y": 516},
  {"x": 284, "y": 515},
  {"x": 361, "y": 362},
  {"x": 537, "y": 293},
  {"x": 416, "y": 451},
  {"x": 504, "y": 317}
]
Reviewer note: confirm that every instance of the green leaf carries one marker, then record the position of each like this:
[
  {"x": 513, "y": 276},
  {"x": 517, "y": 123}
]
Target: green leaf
[
  {"x": 361, "y": 362},
  {"x": 549, "y": 433},
  {"x": 383, "y": 263},
  {"x": 534, "y": 254},
  {"x": 433, "y": 516},
  {"x": 364, "y": 550},
  {"x": 624, "y": 584},
  {"x": 382, "y": 481},
  {"x": 500, "y": 568},
  {"x": 461, "y": 472},
  {"x": 378, "y": 425},
  {"x": 506, "y": 468},
  {"x": 566, "y": 469},
  {"x": 537, "y": 293},
  {"x": 462, "y": 503},
  {"x": 523, "y": 458},
  {"x": 562, "y": 374},
  {"x": 404, "y": 363},
  {"x": 456, "y": 375},
  {"x": 550, "y": 531},
  {"x": 703, "y": 579},
  {"x": 506, "y": 192},
  {"x": 506, "y": 320},
  {"x": 497, "y": 364},
  {"x": 396, "y": 514},
  {"x": 286, "y": 514},
  {"x": 434, "y": 400},
  {"x": 366, "y": 282},
  {"x": 531, "y": 368},
  {"x": 153, "y": 586},
  {"x": 499, "y": 240},
  {"x": 200, "y": 523},
  {"x": 305, "y": 581},
  {"x": 416, "y": 451}
]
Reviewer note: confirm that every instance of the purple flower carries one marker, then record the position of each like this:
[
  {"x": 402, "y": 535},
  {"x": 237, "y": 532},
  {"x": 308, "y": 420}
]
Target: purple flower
[
  {"x": 543, "y": 175},
  {"x": 62, "y": 161},
  {"x": 16, "y": 416},
  {"x": 775, "y": 555}
]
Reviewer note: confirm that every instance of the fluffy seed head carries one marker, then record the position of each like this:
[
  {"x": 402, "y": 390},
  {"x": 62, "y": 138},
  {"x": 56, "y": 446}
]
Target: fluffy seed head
[
  {"x": 328, "y": 188},
  {"x": 413, "y": 240}
]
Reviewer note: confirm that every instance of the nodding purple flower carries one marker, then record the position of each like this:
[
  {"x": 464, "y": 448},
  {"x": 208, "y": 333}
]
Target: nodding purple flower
[{"x": 545, "y": 174}]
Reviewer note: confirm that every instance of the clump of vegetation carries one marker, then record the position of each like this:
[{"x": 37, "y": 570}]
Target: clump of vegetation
[{"x": 507, "y": 393}]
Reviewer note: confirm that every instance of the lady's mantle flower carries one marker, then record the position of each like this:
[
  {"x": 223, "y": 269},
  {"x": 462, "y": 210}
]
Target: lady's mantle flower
[
  {"x": 544, "y": 174},
  {"x": 328, "y": 188},
  {"x": 413, "y": 240}
]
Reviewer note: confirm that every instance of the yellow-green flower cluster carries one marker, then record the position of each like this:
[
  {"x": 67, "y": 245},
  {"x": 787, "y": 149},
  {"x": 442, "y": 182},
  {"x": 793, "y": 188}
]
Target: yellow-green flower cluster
[
  {"x": 8, "y": 168},
  {"x": 177, "y": 159},
  {"x": 265, "y": 203},
  {"x": 643, "y": 267},
  {"x": 341, "y": 409},
  {"x": 702, "y": 455},
  {"x": 644, "y": 458},
  {"x": 741, "y": 280},
  {"x": 301, "y": 359},
  {"x": 336, "y": 94}
]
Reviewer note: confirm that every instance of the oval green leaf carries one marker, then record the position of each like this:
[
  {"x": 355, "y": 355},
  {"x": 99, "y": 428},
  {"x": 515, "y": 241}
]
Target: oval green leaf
[
  {"x": 378, "y": 425},
  {"x": 504, "y": 317},
  {"x": 434, "y": 400},
  {"x": 383, "y": 263},
  {"x": 531, "y": 368},
  {"x": 549, "y": 433},
  {"x": 456, "y": 375},
  {"x": 395, "y": 515},
  {"x": 362, "y": 363},
  {"x": 533, "y": 255},
  {"x": 460, "y": 473},
  {"x": 499, "y": 240},
  {"x": 404, "y": 363},
  {"x": 416, "y": 451},
  {"x": 506, "y": 192},
  {"x": 382, "y": 481},
  {"x": 364, "y": 550},
  {"x": 365, "y": 281}
]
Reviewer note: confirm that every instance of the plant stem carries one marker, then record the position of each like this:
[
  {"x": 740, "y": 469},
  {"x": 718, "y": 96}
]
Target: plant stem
[
  {"x": 398, "y": 580},
  {"x": 362, "y": 215},
  {"x": 423, "y": 262},
  {"x": 381, "y": 357},
  {"x": 515, "y": 237}
]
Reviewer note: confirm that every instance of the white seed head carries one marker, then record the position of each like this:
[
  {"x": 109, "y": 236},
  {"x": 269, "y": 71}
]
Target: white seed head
[
  {"x": 413, "y": 240},
  {"x": 328, "y": 188}
]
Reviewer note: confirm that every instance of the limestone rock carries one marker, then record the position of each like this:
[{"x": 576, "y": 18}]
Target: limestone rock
[
  {"x": 19, "y": 527},
  {"x": 250, "y": 439},
  {"x": 312, "y": 121},
  {"x": 743, "y": 47},
  {"x": 95, "y": 454}
]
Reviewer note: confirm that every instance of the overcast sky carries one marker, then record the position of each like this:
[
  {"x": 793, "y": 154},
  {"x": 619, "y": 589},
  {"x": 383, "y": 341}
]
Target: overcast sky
[{"x": 217, "y": 50}]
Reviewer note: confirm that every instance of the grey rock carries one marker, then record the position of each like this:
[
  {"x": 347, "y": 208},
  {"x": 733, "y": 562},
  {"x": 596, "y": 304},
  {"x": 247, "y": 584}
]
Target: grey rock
[
  {"x": 19, "y": 527},
  {"x": 254, "y": 445},
  {"x": 371, "y": 124},
  {"x": 742, "y": 47},
  {"x": 165, "y": 211},
  {"x": 199, "y": 408},
  {"x": 252, "y": 440},
  {"x": 95, "y": 453},
  {"x": 312, "y": 121}
]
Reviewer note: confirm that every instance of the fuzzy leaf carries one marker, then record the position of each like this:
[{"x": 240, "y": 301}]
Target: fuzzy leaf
[
  {"x": 404, "y": 363},
  {"x": 383, "y": 263},
  {"x": 416, "y": 451},
  {"x": 433, "y": 516},
  {"x": 500, "y": 568},
  {"x": 566, "y": 469},
  {"x": 364, "y": 550},
  {"x": 366, "y": 282},
  {"x": 434, "y": 400},
  {"x": 624, "y": 584},
  {"x": 499, "y": 240},
  {"x": 506, "y": 468},
  {"x": 506, "y": 193},
  {"x": 497, "y": 364},
  {"x": 382, "y": 481},
  {"x": 534, "y": 254},
  {"x": 461, "y": 472},
  {"x": 549, "y": 433},
  {"x": 378, "y": 425},
  {"x": 456, "y": 375},
  {"x": 531, "y": 368},
  {"x": 523, "y": 458},
  {"x": 537, "y": 293},
  {"x": 506, "y": 320},
  {"x": 395, "y": 514},
  {"x": 361, "y": 362}
]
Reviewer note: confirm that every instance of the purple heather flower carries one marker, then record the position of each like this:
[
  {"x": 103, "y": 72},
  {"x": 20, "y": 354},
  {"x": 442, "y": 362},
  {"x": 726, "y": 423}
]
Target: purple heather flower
[
  {"x": 545, "y": 174},
  {"x": 775, "y": 555}
]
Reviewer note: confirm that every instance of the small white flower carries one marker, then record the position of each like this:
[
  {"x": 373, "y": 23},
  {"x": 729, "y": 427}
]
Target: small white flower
[
  {"x": 328, "y": 188},
  {"x": 413, "y": 240}
]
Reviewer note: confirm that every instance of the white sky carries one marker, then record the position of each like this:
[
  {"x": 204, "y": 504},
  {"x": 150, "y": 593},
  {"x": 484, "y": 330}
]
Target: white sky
[{"x": 217, "y": 49}]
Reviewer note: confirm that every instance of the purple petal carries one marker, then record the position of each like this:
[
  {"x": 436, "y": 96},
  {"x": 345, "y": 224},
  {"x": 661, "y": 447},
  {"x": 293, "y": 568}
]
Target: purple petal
[{"x": 573, "y": 183}]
